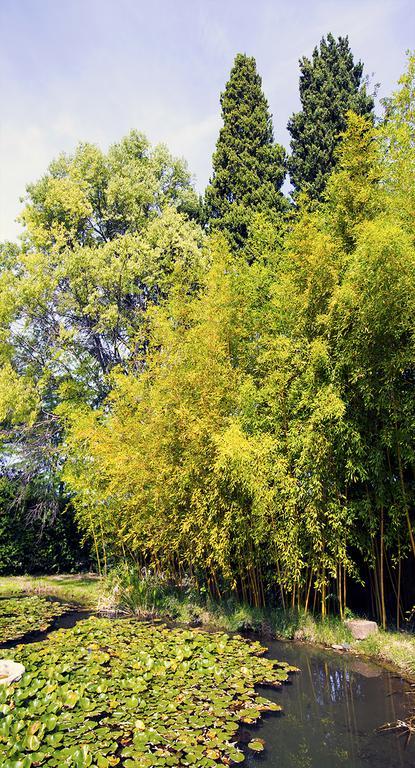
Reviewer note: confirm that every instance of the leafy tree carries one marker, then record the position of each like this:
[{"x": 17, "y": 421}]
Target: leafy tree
[
  {"x": 397, "y": 132},
  {"x": 330, "y": 85},
  {"x": 105, "y": 237},
  {"x": 268, "y": 445},
  {"x": 241, "y": 415},
  {"x": 248, "y": 167}
]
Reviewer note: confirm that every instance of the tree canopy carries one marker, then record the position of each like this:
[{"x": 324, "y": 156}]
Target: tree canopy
[
  {"x": 106, "y": 236},
  {"x": 235, "y": 404},
  {"x": 248, "y": 166},
  {"x": 268, "y": 445},
  {"x": 331, "y": 83}
]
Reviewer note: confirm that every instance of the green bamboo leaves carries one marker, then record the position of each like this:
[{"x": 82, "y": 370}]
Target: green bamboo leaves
[{"x": 266, "y": 448}]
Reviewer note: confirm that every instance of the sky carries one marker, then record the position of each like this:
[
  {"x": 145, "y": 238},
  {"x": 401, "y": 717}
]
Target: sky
[{"x": 91, "y": 70}]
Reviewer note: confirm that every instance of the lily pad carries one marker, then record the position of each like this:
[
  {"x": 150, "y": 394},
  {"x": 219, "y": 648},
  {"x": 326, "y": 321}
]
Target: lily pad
[
  {"x": 21, "y": 615},
  {"x": 257, "y": 745},
  {"x": 128, "y": 693}
]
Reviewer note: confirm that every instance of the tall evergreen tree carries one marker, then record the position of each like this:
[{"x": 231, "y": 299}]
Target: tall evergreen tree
[
  {"x": 248, "y": 167},
  {"x": 330, "y": 85}
]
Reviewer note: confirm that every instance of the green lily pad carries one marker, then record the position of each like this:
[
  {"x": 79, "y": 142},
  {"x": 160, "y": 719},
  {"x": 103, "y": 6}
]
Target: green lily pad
[
  {"x": 257, "y": 745},
  {"x": 21, "y": 615},
  {"x": 128, "y": 693}
]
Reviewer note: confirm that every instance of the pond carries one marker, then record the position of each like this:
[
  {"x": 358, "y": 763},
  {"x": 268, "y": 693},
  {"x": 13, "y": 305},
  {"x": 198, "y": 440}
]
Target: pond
[
  {"x": 331, "y": 713},
  {"x": 110, "y": 692}
]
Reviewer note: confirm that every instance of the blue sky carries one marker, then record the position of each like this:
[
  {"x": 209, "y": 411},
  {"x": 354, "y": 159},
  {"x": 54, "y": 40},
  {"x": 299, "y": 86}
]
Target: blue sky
[{"x": 91, "y": 70}]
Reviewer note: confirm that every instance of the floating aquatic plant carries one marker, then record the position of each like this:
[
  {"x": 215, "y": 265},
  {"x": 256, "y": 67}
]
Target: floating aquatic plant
[
  {"x": 20, "y": 615},
  {"x": 133, "y": 694}
]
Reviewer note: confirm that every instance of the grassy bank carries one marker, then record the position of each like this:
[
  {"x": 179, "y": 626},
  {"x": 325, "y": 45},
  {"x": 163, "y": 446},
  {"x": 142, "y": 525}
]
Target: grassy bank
[
  {"x": 389, "y": 647},
  {"x": 82, "y": 589},
  {"x": 125, "y": 590},
  {"x": 144, "y": 598}
]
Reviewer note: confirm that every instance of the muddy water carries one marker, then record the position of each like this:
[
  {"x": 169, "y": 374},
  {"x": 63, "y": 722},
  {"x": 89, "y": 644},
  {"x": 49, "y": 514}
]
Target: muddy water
[{"x": 331, "y": 713}]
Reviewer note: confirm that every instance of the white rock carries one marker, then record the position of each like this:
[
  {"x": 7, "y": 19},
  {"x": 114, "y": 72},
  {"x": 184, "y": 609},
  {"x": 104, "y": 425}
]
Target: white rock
[{"x": 10, "y": 671}]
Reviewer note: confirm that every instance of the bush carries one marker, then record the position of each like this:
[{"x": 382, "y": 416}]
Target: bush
[
  {"x": 35, "y": 546},
  {"x": 138, "y": 591}
]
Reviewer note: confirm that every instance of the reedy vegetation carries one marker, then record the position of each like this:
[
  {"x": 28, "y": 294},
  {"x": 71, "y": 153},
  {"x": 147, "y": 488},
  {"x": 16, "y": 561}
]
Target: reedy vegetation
[{"x": 242, "y": 413}]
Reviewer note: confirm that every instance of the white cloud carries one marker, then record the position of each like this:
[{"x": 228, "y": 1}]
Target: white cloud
[{"x": 25, "y": 152}]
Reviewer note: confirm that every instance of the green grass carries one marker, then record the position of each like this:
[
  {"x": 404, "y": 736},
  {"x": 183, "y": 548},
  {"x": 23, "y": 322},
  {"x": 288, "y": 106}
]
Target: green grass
[
  {"x": 83, "y": 590},
  {"x": 397, "y": 648}
]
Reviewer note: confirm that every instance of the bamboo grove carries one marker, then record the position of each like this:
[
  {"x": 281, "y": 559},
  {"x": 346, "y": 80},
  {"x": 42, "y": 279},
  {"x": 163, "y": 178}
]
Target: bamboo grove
[{"x": 229, "y": 400}]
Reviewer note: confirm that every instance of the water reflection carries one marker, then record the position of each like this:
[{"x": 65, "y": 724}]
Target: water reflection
[{"x": 331, "y": 713}]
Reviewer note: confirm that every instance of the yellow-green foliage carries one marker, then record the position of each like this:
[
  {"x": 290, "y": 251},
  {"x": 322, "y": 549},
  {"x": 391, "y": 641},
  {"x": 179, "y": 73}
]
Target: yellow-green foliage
[
  {"x": 18, "y": 397},
  {"x": 105, "y": 237},
  {"x": 242, "y": 447},
  {"x": 246, "y": 418}
]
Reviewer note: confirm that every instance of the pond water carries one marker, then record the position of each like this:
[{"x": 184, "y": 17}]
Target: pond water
[{"x": 331, "y": 711}]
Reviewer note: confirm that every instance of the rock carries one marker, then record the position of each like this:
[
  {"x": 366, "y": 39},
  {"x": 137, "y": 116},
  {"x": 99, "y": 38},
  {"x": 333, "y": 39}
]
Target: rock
[
  {"x": 10, "y": 671},
  {"x": 360, "y": 628},
  {"x": 337, "y": 647},
  {"x": 365, "y": 669}
]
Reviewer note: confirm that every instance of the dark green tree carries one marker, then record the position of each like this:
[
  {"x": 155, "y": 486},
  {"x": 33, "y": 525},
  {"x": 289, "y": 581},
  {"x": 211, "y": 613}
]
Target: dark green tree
[
  {"x": 331, "y": 83},
  {"x": 248, "y": 167}
]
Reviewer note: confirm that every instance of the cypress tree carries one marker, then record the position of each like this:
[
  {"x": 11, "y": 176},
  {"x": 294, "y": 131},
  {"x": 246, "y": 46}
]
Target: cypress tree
[
  {"x": 248, "y": 167},
  {"x": 330, "y": 85}
]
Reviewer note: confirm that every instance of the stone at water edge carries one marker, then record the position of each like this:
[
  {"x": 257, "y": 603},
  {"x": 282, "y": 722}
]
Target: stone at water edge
[
  {"x": 360, "y": 628},
  {"x": 10, "y": 671}
]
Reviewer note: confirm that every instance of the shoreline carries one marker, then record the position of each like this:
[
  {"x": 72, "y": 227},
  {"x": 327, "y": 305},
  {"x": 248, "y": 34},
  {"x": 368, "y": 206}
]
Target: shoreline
[{"x": 394, "y": 651}]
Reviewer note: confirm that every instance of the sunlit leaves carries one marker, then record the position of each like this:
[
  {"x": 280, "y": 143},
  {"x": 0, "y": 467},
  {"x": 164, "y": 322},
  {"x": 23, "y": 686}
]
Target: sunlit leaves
[
  {"x": 126, "y": 693},
  {"x": 23, "y": 615}
]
